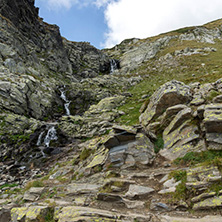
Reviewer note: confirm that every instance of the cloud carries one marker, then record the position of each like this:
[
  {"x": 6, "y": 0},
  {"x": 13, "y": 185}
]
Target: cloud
[
  {"x": 144, "y": 18},
  {"x": 58, "y": 4}
]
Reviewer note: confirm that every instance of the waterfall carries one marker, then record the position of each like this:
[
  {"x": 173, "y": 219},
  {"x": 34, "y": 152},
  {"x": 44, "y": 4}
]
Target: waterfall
[
  {"x": 67, "y": 102},
  {"x": 113, "y": 65},
  {"x": 40, "y": 139},
  {"x": 51, "y": 135}
]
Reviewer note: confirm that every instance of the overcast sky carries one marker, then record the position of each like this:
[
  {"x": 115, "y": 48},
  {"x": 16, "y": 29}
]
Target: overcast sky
[{"x": 105, "y": 23}]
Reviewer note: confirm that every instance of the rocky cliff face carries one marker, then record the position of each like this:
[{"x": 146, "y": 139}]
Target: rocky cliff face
[
  {"x": 35, "y": 59},
  {"x": 77, "y": 141},
  {"x": 41, "y": 74}
]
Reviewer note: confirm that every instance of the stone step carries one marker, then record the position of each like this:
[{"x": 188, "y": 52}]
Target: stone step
[{"x": 85, "y": 214}]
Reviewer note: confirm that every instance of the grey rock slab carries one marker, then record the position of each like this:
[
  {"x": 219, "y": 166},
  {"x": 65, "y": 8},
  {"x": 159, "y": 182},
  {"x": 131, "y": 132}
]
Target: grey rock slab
[
  {"x": 134, "y": 204},
  {"x": 170, "y": 94},
  {"x": 166, "y": 218},
  {"x": 210, "y": 203},
  {"x": 138, "y": 191},
  {"x": 171, "y": 183},
  {"x": 167, "y": 190},
  {"x": 180, "y": 118},
  {"x": 158, "y": 206},
  {"x": 71, "y": 213},
  {"x": 213, "y": 118},
  {"x": 31, "y": 213},
  {"x": 85, "y": 188},
  {"x": 202, "y": 196},
  {"x": 109, "y": 197},
  {"x": 36, "y": 190},
  {"x": 5, "y": 215},
  {"x": 30, "y": 197},
  {"x": 202, "y": 173}
]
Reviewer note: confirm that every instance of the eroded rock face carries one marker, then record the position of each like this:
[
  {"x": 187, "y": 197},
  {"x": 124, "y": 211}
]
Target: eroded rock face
[
  {"x": 95, "y": 121},
  {"x": 187, "y": 117},
  {"x": 35, "y": 60},
  {"x": 134, "y": 57},
  {"x": 170, "y": 94}
]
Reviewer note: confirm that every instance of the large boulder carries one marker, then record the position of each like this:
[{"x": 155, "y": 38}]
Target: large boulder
[
  {"x": 32, "y": 213},
  {"x": 169, "y": 94},
  {"x": 212, "y": 125}
]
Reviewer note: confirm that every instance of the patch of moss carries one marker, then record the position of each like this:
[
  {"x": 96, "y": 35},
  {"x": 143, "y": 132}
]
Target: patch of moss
[
  {"x": 50, "y": 215},
  {"x": 216, "y": 187},
  {"x": 178, "y": 175},
  {"x": 212, "y": 94},
  {"x": 35, "y": 183},
  {"x": 158, "y": 144},
  {"x": 181, "y": 191},
  {"x": 85, "y": 154},
  {"x": 9, "y": 185}
]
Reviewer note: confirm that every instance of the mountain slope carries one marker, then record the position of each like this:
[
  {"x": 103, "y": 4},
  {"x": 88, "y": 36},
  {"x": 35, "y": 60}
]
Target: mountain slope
[{"x": 64, "y": 155}]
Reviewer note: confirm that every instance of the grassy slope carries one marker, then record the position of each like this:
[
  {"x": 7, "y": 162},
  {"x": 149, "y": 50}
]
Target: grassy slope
[{"x": 189, "y": 69}]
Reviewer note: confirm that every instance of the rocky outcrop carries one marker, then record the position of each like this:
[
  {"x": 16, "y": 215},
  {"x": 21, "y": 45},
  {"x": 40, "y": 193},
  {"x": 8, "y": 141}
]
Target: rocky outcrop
[
  {"x": 184, "y": 125},
  {"x": 134, "y": 53},
  {"x": 170, "y": 94},
  {"x": 35, "y": 60}
]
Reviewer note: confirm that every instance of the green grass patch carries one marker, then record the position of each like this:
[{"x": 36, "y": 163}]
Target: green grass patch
[
  {"x": 158, "y": 144},
  {"x": 181, "y": 191},
  {"x": 9, "y": 185},
  {"x": 212, "y": 94},
  {"x": 35, "y": 183},
  {"x": 208, "y": 157},
  {"x": 178, "y": 175},
  {"x": 85, "y": 153},
  {"x": 216, "y": 187},
  {"x": 50, "y": 215}
]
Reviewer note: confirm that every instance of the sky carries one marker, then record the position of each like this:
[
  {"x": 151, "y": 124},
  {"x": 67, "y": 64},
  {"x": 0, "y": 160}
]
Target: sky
[{"x": 105, "y": 23}]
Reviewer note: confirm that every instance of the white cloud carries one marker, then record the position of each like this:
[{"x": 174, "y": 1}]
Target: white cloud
[
  {"x": 144, "y": 18},
  {"x": 100, "y": 3},
  {"x": 57, "y": 4}
]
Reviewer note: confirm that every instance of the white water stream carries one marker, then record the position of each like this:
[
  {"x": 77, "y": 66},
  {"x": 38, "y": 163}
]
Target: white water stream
[
  {"x": 67, "y": 102},
  {"x": 113, "y": 66}
]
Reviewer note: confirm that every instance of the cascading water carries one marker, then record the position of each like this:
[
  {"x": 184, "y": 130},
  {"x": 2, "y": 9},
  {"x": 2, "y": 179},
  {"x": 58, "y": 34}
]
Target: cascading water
[
  {"x": 113, "y": 66},
  {"x": 40, "y": 139},
  {"x": 50, "y": 135},
  {"x": 67, "y": 102}
]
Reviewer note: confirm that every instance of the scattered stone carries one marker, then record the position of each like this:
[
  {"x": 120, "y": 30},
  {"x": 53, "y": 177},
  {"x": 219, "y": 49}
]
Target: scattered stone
[
  {"x": 33, "y": 193},
  {"x": 166, "y": 218},
  {"x": 32, "y": 213},
  {"x": 108, "y": 197},
  {"x": 134, "y": 204},
  {"x": 210, "y": 203},
  {"x": 73, "y": 213},
  {"x": 137, "y": 191},
  {"x": 202, "y": 196},
  {"x": 5, "y": 215},
  {"x": 85, "y": 188},
  {"x": 158, "y": 206}
]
